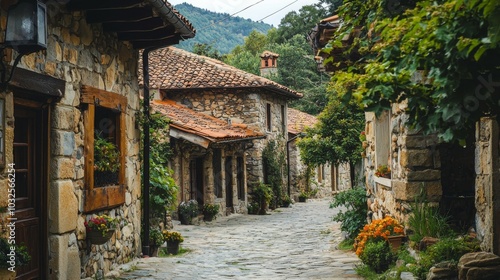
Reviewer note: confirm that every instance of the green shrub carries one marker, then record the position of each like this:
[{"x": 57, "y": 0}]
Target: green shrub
[
  {"x": 210, "y": 211},
  {"x": 354, "y": 218},
  {"x": 426, "y": 220},
  {"x": 447, "y": 249},
  {"x": 253, "y": 208},
  {"x": 377, "y": 255}
]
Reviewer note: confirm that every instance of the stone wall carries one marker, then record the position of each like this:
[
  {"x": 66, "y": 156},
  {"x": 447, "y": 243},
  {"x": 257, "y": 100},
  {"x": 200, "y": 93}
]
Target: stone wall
[
  {"x": 185, "y": 151},
  {"x": 241, "y": 106},
  {"x": 414, "y": 161},
  {"x": 82, "y": 54},
  {"x": 487, "y": 185}
]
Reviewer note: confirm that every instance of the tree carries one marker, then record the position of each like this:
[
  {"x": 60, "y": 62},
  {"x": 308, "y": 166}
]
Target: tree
[
  {"x": 331, "y": 5},
  {"x": 244, "y": 60},
  {"x": 299, "y": 23},
  {"x": 441, "y": 57},
  {"x": 335, "y": 138},
  {"x": 207, "y": 50}
]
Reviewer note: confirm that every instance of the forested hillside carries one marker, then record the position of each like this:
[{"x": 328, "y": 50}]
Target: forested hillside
[{"x": 219, "y": 30}]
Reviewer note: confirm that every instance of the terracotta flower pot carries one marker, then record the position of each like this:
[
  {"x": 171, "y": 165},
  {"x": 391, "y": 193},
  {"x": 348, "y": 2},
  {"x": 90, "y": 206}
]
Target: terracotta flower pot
[{"x": 395, "y": 241}]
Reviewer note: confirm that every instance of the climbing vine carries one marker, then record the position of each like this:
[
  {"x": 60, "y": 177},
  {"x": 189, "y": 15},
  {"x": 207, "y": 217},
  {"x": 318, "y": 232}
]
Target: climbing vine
[
  {"x": 273, "y": 157},
  {"x": 439, "y": 56},
  {"x": 163, "y": 189}
]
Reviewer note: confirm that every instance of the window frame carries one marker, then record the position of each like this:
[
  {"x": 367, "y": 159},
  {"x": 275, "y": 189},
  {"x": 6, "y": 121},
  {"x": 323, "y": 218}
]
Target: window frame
[
  {"x": 99, "y": 198},
  {"x": 383, "y": 145},
  {"x": 269, "y": 125}
]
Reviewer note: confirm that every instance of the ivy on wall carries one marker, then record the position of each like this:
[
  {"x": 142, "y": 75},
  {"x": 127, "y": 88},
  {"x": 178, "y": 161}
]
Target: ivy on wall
[
  {"x": 441, "y": 56},
  {"x": 274, "y": 162}
]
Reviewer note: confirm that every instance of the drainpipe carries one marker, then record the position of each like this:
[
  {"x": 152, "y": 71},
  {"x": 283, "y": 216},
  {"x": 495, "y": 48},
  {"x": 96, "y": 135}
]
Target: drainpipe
[
  {"x": 288, "y": 158},
  {"x": 146, "y": 151},
  {"x": 184, "y": 31}
]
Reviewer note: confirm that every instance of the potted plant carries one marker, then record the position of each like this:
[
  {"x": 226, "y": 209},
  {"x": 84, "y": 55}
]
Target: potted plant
[
  {"x": 383, "y": 171},
  {"x": 106, "y": 162},
  {"x": 155, "y": 241},
  {"x": 100, "y": 229},
  {"x": 286, "y": 201},
  {"x": 262, "y": 194},
  {"x": 8, "y": 264},
  {"x": 173, "y": 239},
  {"x": 253, "y": 208},
  {"x": 303, "y": 196},
  {"x": 387, "y": 229},
  {"x": 187, "y": 210},
  {"x": 210, "y": 211}
]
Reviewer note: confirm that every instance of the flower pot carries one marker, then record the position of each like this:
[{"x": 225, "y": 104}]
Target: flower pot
[
  {"x": 395, "y": 241},
  {"x": 96, "y": 237},
  {"x": 208, "y": 217},
  {"x": 6, "y": 274},
  {"x": 153, "y": 250},
  {"x": 185, "y": 220},
  {"x": 173, "y": 247}
]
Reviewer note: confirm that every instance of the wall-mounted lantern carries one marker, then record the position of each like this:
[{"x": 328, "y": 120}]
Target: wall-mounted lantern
[{"x": 26, "y": 32}]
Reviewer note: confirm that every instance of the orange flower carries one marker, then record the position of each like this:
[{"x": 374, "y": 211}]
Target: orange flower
[{"x": 377, "y": 230}]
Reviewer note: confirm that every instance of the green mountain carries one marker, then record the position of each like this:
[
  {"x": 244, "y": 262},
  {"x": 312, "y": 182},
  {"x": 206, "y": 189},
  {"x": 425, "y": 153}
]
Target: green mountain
[{"x": 219, "y": 30}]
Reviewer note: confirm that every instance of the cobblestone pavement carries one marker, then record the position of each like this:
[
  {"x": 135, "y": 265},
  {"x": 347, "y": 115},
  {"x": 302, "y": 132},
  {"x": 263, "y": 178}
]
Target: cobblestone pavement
[{"x": 290, "y": 243}]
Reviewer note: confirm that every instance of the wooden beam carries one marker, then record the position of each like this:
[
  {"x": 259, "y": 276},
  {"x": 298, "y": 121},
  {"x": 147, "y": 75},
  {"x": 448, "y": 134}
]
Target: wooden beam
[
  {"x": 31, "y": 81},
  {"x": 158, "y": 34},
  {"x": 142, "y": 25},
  {"x": 125, "y": 15},
  {"x": 107, "y": 99},
  {"x": 84, "y": 5},
  {"x": 156, "y": 43}
]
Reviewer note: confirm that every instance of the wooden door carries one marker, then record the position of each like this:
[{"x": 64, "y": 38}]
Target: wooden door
[
  {"x": 196, "y": 180},
  {"x": 228, "y": 167},
  {"x": 30, "y": 151}
]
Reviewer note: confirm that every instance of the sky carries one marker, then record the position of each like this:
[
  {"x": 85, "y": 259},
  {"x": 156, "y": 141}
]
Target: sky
[{"x": 262, "y": 9}]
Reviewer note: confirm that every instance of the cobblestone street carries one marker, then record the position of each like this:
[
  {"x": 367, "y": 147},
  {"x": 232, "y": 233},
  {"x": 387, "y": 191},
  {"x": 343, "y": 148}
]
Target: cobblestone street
[{"x": 290, "y": 243}]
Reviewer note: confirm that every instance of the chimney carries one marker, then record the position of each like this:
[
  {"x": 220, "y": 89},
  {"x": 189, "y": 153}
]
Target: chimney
[{"x": 268, "y": 63}]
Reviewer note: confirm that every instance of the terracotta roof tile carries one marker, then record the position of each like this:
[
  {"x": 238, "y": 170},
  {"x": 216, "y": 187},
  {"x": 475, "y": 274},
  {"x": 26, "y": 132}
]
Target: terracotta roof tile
[
  {"x": 298, "y": 121},
  {"x": 172, "y": 68},
  {"x": 200, "y": 124},
  {"x": 268, "y": 53}
]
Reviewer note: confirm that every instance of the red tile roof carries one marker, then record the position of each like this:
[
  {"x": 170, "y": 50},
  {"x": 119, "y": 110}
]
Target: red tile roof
[
  {"x": 199, "y": 124},
  {"x": 298, "y": 121},
  {"x": 172, "y": 68},
  {"x": 268, "y": 54}
]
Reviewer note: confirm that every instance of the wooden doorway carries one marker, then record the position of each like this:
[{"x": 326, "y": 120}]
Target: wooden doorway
[
  {"x": 30, "y": 159},
  {"x": 228, "y": 169},
  {"x": 196, "y": 180}
]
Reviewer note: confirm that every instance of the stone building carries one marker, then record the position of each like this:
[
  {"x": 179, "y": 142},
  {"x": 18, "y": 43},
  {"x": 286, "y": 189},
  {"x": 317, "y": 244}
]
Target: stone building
[
  {"x": 461, "y": 180},
  {"x": 59, "y": 101},
  {"x": 215, "y": 89},
  {"x": 326, "y": 178},
  {"x": 209, "y": 163}
]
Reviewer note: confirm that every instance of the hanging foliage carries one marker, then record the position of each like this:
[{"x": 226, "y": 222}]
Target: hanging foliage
[{"x": 439, "y": 56}]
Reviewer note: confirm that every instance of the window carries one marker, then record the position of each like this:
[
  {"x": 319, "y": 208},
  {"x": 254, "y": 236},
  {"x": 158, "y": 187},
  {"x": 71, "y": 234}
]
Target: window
[
  {"x": 240, "y": 177},
  {"x": 217, "y": 168},
  {"x": 105, "y": 149},
  {"x": 268, "y": 116},
  {"x": 283, "y": 119},
  {"x": 382, "y": 139}
]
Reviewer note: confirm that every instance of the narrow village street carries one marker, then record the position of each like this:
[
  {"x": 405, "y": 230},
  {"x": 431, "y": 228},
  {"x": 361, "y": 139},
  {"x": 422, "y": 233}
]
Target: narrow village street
[{"x": 290, "y": 243}]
